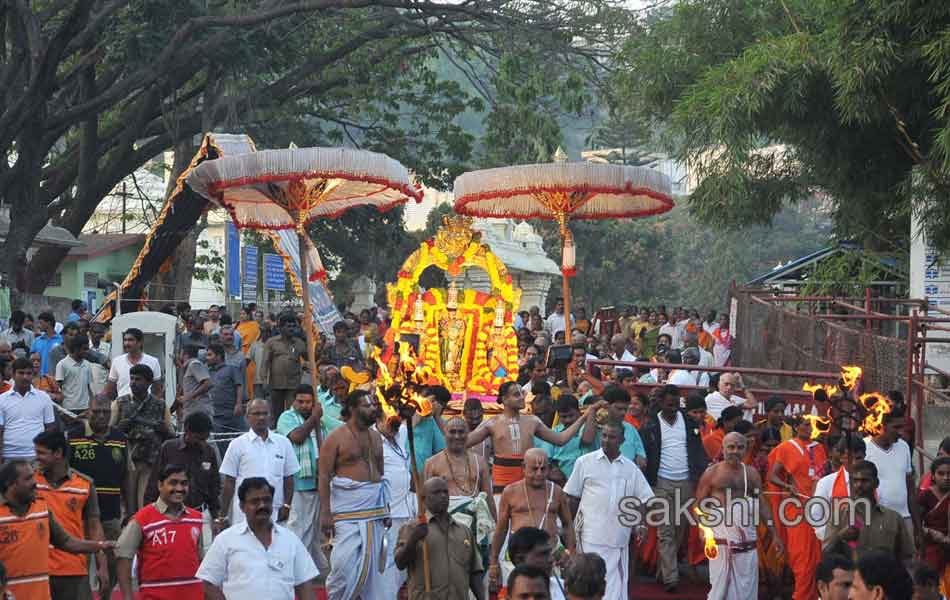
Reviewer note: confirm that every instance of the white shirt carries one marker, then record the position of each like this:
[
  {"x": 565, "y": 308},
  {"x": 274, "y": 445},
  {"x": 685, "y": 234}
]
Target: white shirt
[
  {"x": 121, "y": 365},
  {"x": 252, "y": 456},
  {"x": 716, "y": 403},
  {"x": 396, "y": 471},
  {"x": 601, "y": 485},
  {"x": 705, "y": 358},
  {"x": 244, "y": 569},
  {"x": 824, "y": 489},
  {"x": 893, "y": 466},
  {"x": 681, "y": 377},
  {"x": 674, "y": 462},
  {"x": 673, "y": 332},
  {"x": 555, "y": 323},
  {"x": 23, "y": 418}
]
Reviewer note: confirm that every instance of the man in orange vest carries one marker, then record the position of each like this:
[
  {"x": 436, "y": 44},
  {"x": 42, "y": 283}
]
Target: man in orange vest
[
  {"x": 797, "y": 465},
  {"x": 71, "y": 497},
  {"x": 166, "y": 537},
  {"x": 27, "y": 530}
]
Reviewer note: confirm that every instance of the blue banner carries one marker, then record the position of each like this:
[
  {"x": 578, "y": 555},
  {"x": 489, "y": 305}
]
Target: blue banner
[
  {"x": 232, "y": 256},
  {"x": 249, "y": 281},
  {"x": 274, "y": 276}
]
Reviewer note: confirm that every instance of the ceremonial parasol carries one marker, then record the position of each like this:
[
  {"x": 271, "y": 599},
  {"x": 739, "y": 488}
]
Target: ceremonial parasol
[
  {"x": 562, "y": 191},
  {"x": 287, "y": 189}
]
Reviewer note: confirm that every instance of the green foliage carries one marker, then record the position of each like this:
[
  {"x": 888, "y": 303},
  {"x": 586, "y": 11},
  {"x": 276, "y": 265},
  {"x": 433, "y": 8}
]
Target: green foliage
[
  {"x": 209, "y": 265},
  {"x": 531, "y": 95},
  {"x": 774, "y": 101},
  {"x": 677, "y": 260},
  {"x": 845, "y": 275}
]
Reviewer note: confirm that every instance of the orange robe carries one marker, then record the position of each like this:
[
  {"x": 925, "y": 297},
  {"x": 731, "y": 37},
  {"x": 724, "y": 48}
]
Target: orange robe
[
  {"x": 250, "y": 332},
  {"x": 803, "y": 462},
  {"x": 712, "y": 442}
]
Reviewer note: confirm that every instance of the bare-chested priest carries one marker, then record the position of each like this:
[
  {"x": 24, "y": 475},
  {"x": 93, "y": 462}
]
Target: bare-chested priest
[
  {"x": 470, "y": 491},
  {"x": 532, "y": 502},
  {"x": 734, "y": 573},
  {"x": 513, "y": 433},
  {"x": 354, "y": 501},
  {"x": 465, "y": 471}
]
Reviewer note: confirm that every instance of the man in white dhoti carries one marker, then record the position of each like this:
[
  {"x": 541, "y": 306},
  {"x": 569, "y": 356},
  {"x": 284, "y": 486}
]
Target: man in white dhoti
[
  {"x": 396, "y": 469},
  {"x": 609, "y": 493},
  {"x": 354, "y": 503},
  {"x": 728, "y": 496}
]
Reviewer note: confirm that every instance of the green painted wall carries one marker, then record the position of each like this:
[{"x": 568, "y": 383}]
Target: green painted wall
[{"x": 113, "y": 266}]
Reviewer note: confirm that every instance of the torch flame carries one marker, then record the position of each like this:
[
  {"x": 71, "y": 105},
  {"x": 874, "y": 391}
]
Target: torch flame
[
  {"x": 819, "y": 425},
  {"x": 850, "y": 376},
  {"x": 409, "y": 379},
  {"x": 876, "y": 406},
  {"x": 710, "y": 548},
  {"x": 811, "y": 388}
]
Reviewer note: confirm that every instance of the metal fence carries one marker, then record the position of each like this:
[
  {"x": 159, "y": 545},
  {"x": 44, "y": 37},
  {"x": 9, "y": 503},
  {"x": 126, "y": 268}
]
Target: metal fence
[{"x": 772, "y": 335}]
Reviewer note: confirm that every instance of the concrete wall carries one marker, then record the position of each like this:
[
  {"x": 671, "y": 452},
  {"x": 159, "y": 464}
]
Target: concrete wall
[{"x": 35, "y": 303}]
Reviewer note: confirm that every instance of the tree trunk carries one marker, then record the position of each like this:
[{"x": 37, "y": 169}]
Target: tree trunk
[
  {"x": 78, "y": 212},
  {"x": 174, "y": 285},
  {"x": 28, "y": 213}
]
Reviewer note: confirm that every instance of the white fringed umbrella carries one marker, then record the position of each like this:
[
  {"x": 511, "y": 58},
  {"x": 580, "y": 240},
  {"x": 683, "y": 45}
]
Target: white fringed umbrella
[
  {"x": 286, "y": 189},
  {"x": 562, "y": 191}
]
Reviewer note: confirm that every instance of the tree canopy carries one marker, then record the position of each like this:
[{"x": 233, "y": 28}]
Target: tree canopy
[
  {"x": 92, "y": 89},
  {"x": 770, "y": 102}
]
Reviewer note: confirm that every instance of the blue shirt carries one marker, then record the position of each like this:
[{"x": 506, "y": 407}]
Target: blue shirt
[
  {"x": 632, "y": 446},
  {"x": 428, "y": 440},
  {"x": 73, "y": 317},
  {"x": 287, "y": 423},
  {"x": 42, "y": 345},
  {"x": 331, "y": 408},
  {"x": 565, "y": 456}
]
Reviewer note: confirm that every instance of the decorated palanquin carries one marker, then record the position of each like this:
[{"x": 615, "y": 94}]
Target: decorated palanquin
[{"x": 463, "y": 335}]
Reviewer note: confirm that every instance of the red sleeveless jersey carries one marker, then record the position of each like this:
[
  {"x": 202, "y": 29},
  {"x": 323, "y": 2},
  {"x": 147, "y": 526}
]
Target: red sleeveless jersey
[{"x": 168, "y": 557}]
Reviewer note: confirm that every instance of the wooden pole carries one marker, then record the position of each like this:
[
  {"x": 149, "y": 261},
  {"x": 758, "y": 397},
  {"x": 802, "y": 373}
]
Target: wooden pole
[
  {"x": 308, "y": 319},
  {"x": 565, "y": 280}
]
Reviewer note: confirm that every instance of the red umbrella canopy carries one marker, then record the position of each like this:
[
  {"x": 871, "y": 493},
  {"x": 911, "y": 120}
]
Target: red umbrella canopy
[{"x": 281, "y": 189}]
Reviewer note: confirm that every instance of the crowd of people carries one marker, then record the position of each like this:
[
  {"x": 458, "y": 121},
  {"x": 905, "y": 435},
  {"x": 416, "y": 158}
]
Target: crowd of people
[{"x": 263, "y": 480}]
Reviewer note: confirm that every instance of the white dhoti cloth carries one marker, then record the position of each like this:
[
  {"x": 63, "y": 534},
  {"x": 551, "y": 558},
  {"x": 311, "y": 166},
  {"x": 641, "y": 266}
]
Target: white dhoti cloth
[
  {"x": 618, "y": 569},
  {"x": 359, "y": 508},
  {"x": 734, "y": 573},
  {"x": 392, "y": 577},
  {"x": 472, "y": 513}
]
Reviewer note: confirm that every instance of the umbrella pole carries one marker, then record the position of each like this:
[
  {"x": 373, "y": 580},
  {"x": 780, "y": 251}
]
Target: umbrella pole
[
  {"x": 308, "y": 320},
  {"x": 565, "y": 280}
]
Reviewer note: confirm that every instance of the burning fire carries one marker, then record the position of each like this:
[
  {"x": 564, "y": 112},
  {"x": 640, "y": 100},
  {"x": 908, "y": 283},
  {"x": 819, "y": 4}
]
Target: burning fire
[
  {"x": 876, "y": 407},
  {"x": 830, "y": 390},
  {"x": 850, "y": 376},
  {"x": 819, "y": 425},
  {"x": 405, "y": 386},
  {"x": 710, "y": 548}
]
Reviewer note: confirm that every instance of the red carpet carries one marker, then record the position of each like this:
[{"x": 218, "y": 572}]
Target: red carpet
[{"x": 649, "y": 589}]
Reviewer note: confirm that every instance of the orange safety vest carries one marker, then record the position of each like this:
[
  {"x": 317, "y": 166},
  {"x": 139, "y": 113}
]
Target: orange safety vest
[
  {"x": 24, "y": 551},
  {"x": 67, "y": 502}
]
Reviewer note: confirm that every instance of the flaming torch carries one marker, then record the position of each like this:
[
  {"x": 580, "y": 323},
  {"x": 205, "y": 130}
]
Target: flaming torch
[
  {"x": 876, "y": 406},
  {"x": 710, "y": 548},
  {"x": 405, "y": 388}
]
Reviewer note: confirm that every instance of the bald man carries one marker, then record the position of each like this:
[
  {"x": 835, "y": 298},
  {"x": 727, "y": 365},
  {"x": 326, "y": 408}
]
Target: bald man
[
  {"x": 725, "y": 396},
  {"x": 731, "y": 485},
  {"x": 532, "y": 502}
]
